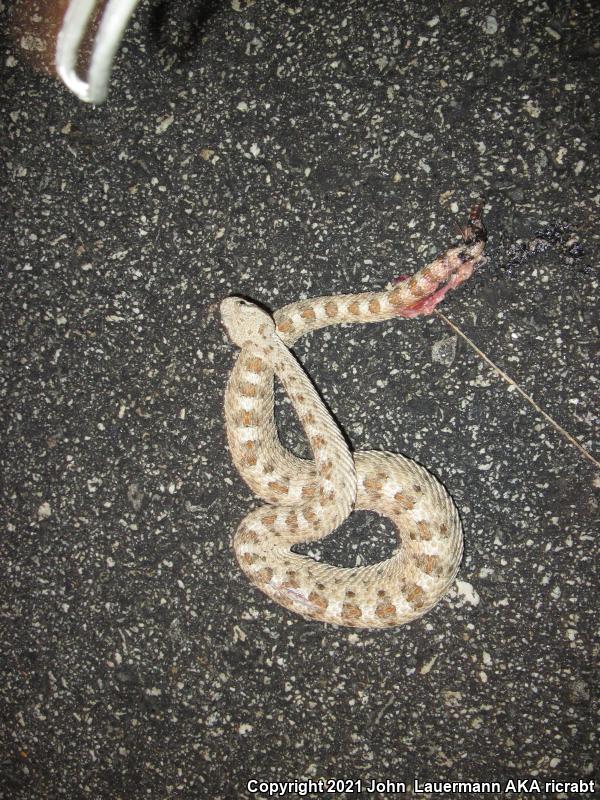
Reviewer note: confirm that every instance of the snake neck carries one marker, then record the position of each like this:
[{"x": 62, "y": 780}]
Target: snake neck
[{"x": 415, "y": 296}]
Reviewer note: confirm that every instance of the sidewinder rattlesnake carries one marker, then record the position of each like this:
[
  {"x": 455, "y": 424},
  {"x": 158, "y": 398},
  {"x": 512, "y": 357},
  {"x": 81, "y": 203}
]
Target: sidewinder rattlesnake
[{"x": 308, "y": 499}]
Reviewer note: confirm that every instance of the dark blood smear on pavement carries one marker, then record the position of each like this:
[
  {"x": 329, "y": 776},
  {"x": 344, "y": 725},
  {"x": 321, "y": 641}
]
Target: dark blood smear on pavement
[{"x": 557, "y": 235}]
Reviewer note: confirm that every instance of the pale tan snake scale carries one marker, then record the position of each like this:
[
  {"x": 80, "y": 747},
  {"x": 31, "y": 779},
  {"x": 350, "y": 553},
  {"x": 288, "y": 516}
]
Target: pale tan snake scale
[{"x": 307, "y": 499}]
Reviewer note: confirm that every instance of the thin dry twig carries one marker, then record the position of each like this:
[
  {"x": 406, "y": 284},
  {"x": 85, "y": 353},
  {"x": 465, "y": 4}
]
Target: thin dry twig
[{"x": 565, "y": 434}]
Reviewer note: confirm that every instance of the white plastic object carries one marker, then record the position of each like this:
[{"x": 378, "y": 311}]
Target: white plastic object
[{"x": 114, "y": 20}]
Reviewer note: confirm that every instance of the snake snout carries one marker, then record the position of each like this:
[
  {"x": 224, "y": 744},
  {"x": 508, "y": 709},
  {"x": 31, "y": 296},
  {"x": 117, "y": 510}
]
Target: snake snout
[{"x": 475, "y": 230}]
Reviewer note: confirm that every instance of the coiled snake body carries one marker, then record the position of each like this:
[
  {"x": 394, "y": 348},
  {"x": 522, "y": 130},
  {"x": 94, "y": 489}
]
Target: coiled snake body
[{"x": 307, "y": 499}]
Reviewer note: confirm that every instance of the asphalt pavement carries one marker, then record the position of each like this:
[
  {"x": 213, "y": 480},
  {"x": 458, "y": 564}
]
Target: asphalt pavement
[{"x": 286, "y": 150}]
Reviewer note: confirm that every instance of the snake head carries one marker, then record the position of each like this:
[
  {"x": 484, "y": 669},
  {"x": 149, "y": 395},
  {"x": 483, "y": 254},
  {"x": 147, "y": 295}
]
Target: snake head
[
  {"x": 475, "y": 231},
  {"x": 244, "y": 321}
]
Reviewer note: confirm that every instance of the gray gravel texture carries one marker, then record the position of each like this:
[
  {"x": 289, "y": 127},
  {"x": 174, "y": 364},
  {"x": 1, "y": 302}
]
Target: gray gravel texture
[{"x": 282, "y": 151}]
